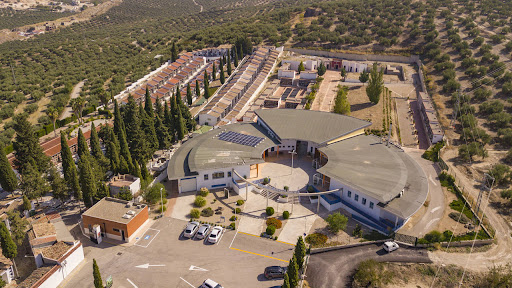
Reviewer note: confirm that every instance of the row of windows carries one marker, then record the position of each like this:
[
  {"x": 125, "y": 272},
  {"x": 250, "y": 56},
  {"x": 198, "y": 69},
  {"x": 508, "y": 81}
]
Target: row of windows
[
  {"x": 217, "y": 175},
  {"x": 356, "y": 198}
]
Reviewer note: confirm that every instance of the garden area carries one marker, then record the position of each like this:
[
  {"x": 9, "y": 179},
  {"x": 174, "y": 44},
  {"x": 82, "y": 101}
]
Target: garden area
[
  {"x": 216, "y": 208},
  {"x": 275, "y": 224}
]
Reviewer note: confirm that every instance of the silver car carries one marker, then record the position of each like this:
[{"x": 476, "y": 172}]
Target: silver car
[
  {"x": 191, "y": 229},
  {"x": 203, "y": 231}
]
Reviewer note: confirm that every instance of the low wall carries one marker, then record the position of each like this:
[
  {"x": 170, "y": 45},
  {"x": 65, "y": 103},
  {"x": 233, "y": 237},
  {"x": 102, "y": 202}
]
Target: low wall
[
  {"x": 339, "y": 247},
  {"x": 466, "y": 243},
  {"x": 357, "y": 57}
]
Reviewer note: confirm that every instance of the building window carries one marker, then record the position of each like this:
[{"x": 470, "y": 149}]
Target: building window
[
  {"x": 218, "y": 175},
  {"x": 205, "y": 176},
  {"x": 363, "y": 201},
  {"x": 371, "y": 205},
  {"x": 229, "y": 173},
  {"x": 116, "y": 230},
  {"x": 272, "y": 149},
  {"x": 349, "y": 194},
  {"x": 356, "y": 197}
]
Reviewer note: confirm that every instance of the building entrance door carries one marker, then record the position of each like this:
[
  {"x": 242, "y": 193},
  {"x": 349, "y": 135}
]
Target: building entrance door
[{"x": 122, "y": 235}]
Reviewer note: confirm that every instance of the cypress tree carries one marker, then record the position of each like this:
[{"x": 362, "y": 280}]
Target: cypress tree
[
  {"x": 214, "y": 72},
  {"x": 87, "y": 181},
  {"x": 113, "y": 156},
  {"x": 8, "y": 179},
  {"x": 293, "y": 272},
  {"x": 189, "y": 121},
  {"x": 198, "y": 89},
  {"x": 148, "y": 127},
  {"x": 125, "y": 151},
  {"x": 96, "y": 151},
  {"x": 9, "y": 248},
  {"x": 158, "y": 108},
  {"x": 169, "y": 121},
  {"x": 164, "y": 139},
  {"x": 241, "y": 52},
  {"x": 103, "y": 191},
  {"x": 32, "y": 184},
  {"x": 58, "y": 185},
  {"x": 341, "y": 105},
  {"x": 98, "y": 283},
  {"x": 180, "y": 126},
  {"x": 144, "y": 171},
  {"x": 235, "y": 56},
  {"x": 83, "y": 150},
  {"x": 118, "y": 120},
  {"x": 221, "y": 71},
  {"x": 124, "y": 167},
  {"x": 174, "y": 52},
  {"x": 206, "y": 86},
  {"x": 69, "y": 168},
  {"x": 228, "y": 62},
  {"x": 26, "y": 203},
  {"x": 148, "y": 106},
  {"x": 139, "y": 149},
  {"x": 189, "y": 95},
  {"x": 300, "y": 252},
  {"x": 136, "y": 171},
  {"x": 26, "y": 146},
  {"x": 286, "y": 283}
]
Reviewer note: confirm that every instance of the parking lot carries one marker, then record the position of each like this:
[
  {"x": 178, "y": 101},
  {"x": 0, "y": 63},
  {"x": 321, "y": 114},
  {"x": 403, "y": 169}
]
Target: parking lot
[{"x": 162, "y": 257}]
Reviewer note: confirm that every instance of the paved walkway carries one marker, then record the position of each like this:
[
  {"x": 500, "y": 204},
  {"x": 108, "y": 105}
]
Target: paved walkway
[{"x": 324, "y": 99}]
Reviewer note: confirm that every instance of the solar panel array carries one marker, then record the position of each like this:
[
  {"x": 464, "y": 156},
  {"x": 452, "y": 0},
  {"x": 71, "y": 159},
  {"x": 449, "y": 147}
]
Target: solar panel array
[{"x": 238, "y": 138}]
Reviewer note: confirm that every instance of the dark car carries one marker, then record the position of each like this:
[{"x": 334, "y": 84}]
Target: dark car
[{"x": 272, "y": 272}]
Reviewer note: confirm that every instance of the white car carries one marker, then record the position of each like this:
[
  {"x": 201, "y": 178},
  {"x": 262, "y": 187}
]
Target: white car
[
  {"x": 209, "y": 283},
  {"x": 390, "y": 246},
  {"x": 203, "y": 231},
  {"x": 215, "y": 234},
  {"x": 191, "y": 229}
]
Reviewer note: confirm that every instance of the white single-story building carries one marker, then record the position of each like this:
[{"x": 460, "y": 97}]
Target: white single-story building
[
  {"x": 124, "y": 181},
  {"x": 377, "y": 182}
]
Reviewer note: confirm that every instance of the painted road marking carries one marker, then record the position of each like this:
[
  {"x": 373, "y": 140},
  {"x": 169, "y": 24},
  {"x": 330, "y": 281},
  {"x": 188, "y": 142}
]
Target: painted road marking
[
  {"x": 433, "y": 182},
  {"x": 435, "y": 209},
  {"x": 154, "y": 236},
  {"x": 431, "y": 222},
  {"x": 147, "y": 265},
  {"x": 188, "y": 283},
  {"x": 195, "y": 268},
  {"x": 259, "y": 255},
  {"x": 135, "y": 286}
]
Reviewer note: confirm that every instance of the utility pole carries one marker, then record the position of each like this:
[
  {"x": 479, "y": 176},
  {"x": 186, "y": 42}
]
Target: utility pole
[{"x": 488, "y": 183}]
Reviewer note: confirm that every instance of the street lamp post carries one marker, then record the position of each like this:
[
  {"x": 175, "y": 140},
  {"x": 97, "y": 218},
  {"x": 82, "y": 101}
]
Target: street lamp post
[
  {"x": 161, "y": 202},
  {"x": 293, "y": 153}
]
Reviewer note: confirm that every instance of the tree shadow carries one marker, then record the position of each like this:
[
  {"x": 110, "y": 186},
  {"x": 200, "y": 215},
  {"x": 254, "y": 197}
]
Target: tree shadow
[{"x": 361, "y": 106}]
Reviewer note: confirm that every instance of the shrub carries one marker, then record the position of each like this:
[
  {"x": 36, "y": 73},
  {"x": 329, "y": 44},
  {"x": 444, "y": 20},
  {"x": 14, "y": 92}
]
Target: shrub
[
  {"x": 286, "y": 188},
  {"x": 463, "y": 218},
  {"x": 237, "y": 211},
  {"x": 233, "y": 218},
  {"x": 153, "y": 194},
  {"x": 311, "y": 189},
  {"x": 232, "y": 226},
  {"x": 371, "y": 273},
  {"x": 336, "y": 222},
  {"x": 207, "y": 212},
  {"x": 269, "y": 211},
  {"x": 195, "y": 213},
  {"x": 266, "y": 180},
  {"x": 274, "y": 222},
  {"x": 240, "y": 202},
  {"x": 164, "y": 201},
  {"x": 270, "y": 230},
  {"x": 433, "y": 236},
  {"x": 316, "y": 239},
  {"x": 204, "y": 192},
  {"x": 162, "y": 209},
  {"x": 286, "y": 214},
  {"x": 200, "y": 201}
]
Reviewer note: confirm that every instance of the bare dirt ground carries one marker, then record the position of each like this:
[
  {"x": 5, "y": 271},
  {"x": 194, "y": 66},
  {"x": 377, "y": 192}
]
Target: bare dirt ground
[
  {"x": 27, "y": 4},
  {"x": 362, "y": 108},
  {"x": 68, "y": 111},
  {"x": 7, "y": 35},
  {"x": 324, "y": 100}
]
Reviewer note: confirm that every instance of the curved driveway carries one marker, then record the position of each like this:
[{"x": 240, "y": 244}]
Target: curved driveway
[{"x": 335, "y": 268}]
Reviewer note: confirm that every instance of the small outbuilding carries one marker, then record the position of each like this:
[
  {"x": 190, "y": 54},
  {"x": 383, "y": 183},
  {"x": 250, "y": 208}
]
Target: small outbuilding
[
  {"x": 124, "y": 181},
  {"x": 118, "y": 219}
]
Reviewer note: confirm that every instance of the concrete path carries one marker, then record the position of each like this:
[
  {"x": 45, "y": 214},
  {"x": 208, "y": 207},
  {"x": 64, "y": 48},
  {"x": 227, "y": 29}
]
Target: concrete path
[
  {"x": 74, "y": 94},
  {"x": 324, "y": 99},
  {"x": 435, "y": 210},
  {"x": 183, "y": 205}
]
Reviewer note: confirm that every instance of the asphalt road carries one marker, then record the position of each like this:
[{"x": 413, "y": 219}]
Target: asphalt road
[
  {"x": 335, "y": 268},
  {"x": 175, "y": 261}
]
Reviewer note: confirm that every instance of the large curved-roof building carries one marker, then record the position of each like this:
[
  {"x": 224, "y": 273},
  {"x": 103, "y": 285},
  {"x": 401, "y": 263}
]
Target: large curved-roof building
[{"x": 378, "y": 183}]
